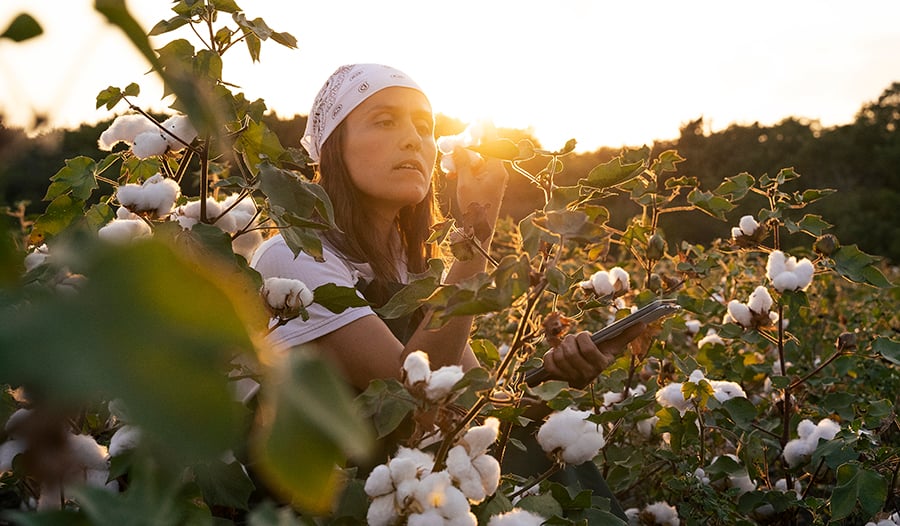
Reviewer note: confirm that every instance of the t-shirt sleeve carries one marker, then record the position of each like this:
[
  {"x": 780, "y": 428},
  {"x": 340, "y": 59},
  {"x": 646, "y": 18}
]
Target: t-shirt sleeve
[{"x": 275, "y": 259}]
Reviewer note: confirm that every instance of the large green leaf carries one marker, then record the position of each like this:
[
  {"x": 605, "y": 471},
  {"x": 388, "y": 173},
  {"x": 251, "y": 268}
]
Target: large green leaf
[
  {"x": 857, "y": 484},
  {"x": 224, "y": 484},
  {"x": 308, "y": 428},
  {"x": 60, "y": 213},
  {"x": 149, "y": 328},
  {"x": 889, "y": 349},
  {"x": 613, "y": 173},
  {"x": 856, "y": 265}
]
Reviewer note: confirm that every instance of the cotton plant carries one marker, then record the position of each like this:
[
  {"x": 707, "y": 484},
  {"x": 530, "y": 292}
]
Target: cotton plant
[
  {"x": 787, "y": 273},
  {"x": 799, "y": 450}
]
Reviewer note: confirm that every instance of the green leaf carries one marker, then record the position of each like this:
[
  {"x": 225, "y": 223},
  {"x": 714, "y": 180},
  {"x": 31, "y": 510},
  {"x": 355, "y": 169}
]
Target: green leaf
[
  {"x": 60, "y": 213},
  {"x": 130, "y": 332},
  {"x": 855, "y": 265},
  {"x": 388, "y": 403},
  {"x": 308, "y": 428},
  {"x": 23, "y": 27},
  {"x": 410, "y": 297},
  {"x": 226, "y": 6},
  {"x": 889, "y": 349},
  {"x": 666, "y": 162},
  {"x": 613, "y": 173},
  {"x": 735, "y": 187},
  {"x": 741, "y": 410},
  {"x": 75, "y": 178},
  {"x": 810, "y": 223},
  {"x": 812, "y": 195},
  {"x": 549, "y": 390},
  {"x": 711, "y": 204},
  {"x": 338, "y": 299},
  {"x": 857, "y": 484},
  {"x": 224, "y": 484},
  {"x": 164, "y": 26},
  {"x": 259, "y": 144}
]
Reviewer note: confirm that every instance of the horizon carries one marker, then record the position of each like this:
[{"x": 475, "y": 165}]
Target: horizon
[{"x": 815, "y": 61}]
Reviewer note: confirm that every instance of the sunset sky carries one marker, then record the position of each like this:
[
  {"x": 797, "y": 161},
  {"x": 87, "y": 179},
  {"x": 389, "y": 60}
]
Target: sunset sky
[{"x": 607, "y": 73}]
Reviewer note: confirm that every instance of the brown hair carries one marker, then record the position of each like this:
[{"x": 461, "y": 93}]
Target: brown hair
[{"x": 413, "y": 222}]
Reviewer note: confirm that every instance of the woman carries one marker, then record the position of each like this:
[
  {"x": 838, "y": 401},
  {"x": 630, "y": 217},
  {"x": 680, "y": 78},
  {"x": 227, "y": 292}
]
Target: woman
[{"x": 371, "y": 133}]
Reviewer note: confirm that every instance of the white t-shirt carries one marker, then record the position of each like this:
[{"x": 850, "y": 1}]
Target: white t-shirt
[{"x": 274, "y": 258}]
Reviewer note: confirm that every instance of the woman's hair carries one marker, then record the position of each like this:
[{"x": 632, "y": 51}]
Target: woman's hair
[{"x": 351, "y": 217}]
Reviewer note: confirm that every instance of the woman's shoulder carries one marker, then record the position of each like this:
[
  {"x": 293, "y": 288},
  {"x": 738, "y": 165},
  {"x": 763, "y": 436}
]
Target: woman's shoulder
[{"x": 274, "y": 258}]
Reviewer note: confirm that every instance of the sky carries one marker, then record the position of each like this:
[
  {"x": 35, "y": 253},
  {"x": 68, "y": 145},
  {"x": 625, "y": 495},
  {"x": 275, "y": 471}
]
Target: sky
[{"x": 607, "y": 73}]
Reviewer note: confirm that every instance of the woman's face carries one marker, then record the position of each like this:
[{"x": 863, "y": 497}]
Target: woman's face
[{"x": 389, "y": 149}]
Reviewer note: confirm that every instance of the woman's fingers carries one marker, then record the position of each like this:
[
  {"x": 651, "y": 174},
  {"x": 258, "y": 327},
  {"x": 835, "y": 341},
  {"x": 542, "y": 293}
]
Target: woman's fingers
[{"x": 578, "y": 360}]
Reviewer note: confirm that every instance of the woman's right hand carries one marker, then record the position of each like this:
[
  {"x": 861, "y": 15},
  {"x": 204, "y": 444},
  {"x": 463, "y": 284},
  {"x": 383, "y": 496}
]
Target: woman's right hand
[{"x": 480, "y": 181}]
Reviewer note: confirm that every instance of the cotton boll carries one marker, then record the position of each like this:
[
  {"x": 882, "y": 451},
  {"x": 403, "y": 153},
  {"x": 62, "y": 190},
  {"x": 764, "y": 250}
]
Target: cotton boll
[
  {"x": 478, "y": 439},
  {"x": 180, "y": 126},
  {"x": 124, "y": 129},
  {"x": 700, "y": 474},
  {"x": 516, "y": 517},
  {"x": 148, "y": 144},
  {"x": 585, "y": 448},
  {"x": 447, "y": 164},
  {"x": 285, "y": 296},
  {"x": 156, "y": 195},
  {"x": 775, "y": 265},
  {"x": 247, "y": 243},
  {"x": 416, "y": 368},
  {"x": 785, "y": 281},
  {"x": 467, "y": 479},
  {"x": 760, "y": 300},
  {"x": 748, "y": 225},
  {"x": 619, "y": 279},
  {"x": 601, "y": 283},
  {"x": 711, "y": 338},
  {"x": 797, "y": 451},
  {"x": 126, "y": 438},
  {"x": 432, "y": 489},
  {"x": 455, "y": 507},
  {"x": 421, "y": 461},
  {"x": 430, "y": 517},
  {"x": 124, "y": 213},
  {"x": 87, "y": 452},
  {"x": 826, "y": 429},
  {"x": 696, "y": 376},
  {"x": 671, "y": 396},
  {"x": 633, "y": 516},
  {"x": 742, "y": 482},
  {"x": 568, "y": 434},
  {"x": 645, "y": 426},
  {"x": 122, "y": 231},
  {"x": 661, "y": 513},
  {"x": 806, "y": 428},
  {"x": 402, "y": 469},
  {"x": 8, "y": 451},
  {"x": 447, "y": 143},
  {"x": 382, "y": 511},
  {"x": 488, "y": 469},
  {"x": 441, "y": 382},
  {"x": 692, "y": 326},
  {"x": 379, "y": 481},
  {"x": 36, "y": 257},
  {"x": 725, "y": 390},
  {"x": 736, "y": 232},
  {"x": 804, "y": 271},
  {"x": 740, "y": 313}
]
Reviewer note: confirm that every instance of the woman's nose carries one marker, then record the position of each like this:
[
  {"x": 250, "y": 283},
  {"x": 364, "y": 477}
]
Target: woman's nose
[{"x": 411, "y": 138}]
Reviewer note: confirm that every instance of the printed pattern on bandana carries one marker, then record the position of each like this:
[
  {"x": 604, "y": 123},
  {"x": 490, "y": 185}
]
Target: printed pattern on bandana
[{"x": 344, "y": 90}]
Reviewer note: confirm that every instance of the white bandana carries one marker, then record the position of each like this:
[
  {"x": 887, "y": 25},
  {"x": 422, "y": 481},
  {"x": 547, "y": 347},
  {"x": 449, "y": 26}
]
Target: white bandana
[{"x": 344, "y": 90}]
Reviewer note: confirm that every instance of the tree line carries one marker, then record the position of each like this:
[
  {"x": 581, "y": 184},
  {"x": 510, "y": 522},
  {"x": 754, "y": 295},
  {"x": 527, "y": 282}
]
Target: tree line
[{"x": 860, "y": 160}]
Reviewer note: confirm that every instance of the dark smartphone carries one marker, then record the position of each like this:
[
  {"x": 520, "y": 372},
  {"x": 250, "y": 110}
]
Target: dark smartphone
[{"x": 649, "y": 313}]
